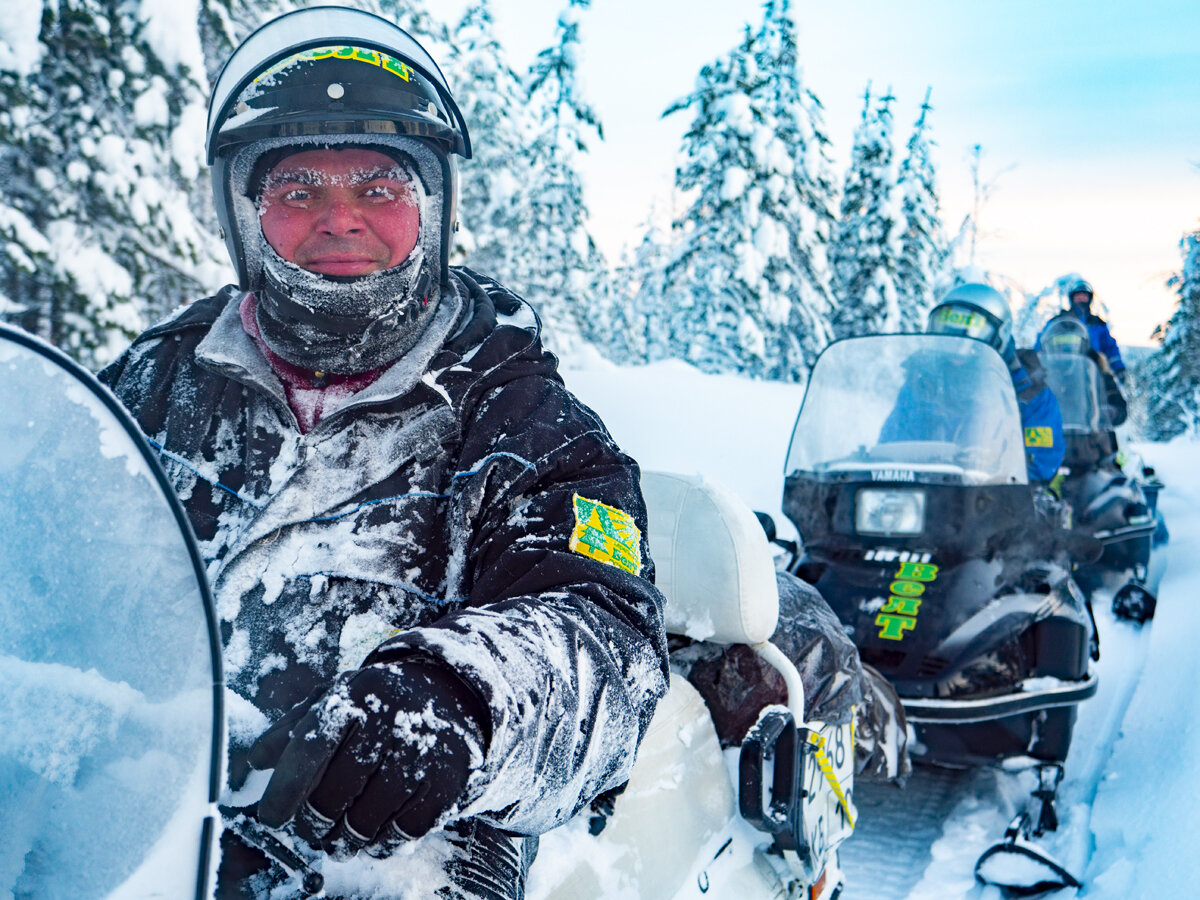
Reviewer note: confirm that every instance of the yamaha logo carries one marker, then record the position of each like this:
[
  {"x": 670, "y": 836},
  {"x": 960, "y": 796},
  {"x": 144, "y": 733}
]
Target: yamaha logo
[{"x": 892, "y": 475}]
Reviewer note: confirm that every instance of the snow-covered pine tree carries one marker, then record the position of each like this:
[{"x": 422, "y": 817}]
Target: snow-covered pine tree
[
  {"x": 495, "y": 182},
  {"x": 1173, "y": 372},
  {"x": 804, "y": 201},
  {"x": 746, "y": 284},
  {"x": 640, "y": 324},
  {"x": 101, "y": 151},
  {"x": 713, "y": 301},
  {"x": 920, "y": 269},
  {"x": 559, "y": 267},
  {"x": 646, "y": 276},
  {"x": 866, "y": 245}
]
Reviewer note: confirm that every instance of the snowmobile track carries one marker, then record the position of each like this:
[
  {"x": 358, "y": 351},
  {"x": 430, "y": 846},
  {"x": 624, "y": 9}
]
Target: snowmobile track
[{"x": 897, "y": 827}]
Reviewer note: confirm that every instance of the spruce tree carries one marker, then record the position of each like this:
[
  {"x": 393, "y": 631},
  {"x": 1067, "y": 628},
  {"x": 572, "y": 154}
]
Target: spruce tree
[
  {"x": 1173, "y": 372},
  {"x": 495, "y": 182},
  {"x": 747, "y": 284},
  {"x": 560, "y": 268},
  {"x": 101, "y": 154},
  {"x": 805, "y": 200},
  {"x": 920, "y": 269},
  {"x": 866, "y": 245},
  {"x": 641, "y": 324},
  {"x": 712, "y": 322}
]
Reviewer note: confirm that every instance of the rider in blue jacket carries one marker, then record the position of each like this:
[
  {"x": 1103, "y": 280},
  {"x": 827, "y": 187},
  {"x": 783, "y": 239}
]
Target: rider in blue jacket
[
  {"x": 1080, "y": 296},
  {"x": 981, "y": 312}
]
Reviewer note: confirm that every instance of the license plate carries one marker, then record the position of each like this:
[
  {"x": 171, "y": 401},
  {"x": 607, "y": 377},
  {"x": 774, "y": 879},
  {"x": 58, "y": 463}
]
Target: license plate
[{"x": 828, "y": 814}]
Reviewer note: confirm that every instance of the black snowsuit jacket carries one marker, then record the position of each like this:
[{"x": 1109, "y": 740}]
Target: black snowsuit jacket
[{"x": 465, "y": 506}]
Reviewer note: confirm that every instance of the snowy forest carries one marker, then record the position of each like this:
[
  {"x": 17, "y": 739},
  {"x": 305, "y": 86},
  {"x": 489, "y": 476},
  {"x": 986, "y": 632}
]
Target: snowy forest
[{"x": 107, "y": 225}]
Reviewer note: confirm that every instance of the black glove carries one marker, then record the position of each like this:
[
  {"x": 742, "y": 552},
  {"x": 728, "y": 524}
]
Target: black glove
[{"x": 383, "y": 756}]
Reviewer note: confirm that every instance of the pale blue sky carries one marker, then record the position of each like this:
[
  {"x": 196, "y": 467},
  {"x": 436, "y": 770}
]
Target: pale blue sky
[{"x": 1088, "y": 114}]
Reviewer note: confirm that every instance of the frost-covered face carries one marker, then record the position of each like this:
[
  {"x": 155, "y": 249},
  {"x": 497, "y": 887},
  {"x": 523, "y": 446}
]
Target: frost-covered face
[{"x": 340, "y": 212}]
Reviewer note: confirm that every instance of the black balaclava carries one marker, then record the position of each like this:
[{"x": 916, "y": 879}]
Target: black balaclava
[{"x": 351, "y": 324}]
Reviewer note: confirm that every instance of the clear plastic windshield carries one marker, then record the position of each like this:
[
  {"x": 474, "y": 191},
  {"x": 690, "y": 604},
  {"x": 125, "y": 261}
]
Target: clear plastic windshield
[
  {"x": 1079, "y": 387},
  {"x": 910, "y": 407},
  {"x": 108, "y": 716}
]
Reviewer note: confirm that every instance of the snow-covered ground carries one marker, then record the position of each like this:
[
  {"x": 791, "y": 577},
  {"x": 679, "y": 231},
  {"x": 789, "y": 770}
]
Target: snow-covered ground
[
  {"x": 1127, "y": 801},
  {"x": 1144, "y": 816}
]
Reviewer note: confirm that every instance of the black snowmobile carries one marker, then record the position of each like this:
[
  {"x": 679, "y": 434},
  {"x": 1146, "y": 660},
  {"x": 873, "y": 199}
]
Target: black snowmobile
[
  {"x": 111, "y": 736},
  {"x": 1113, "y": 500},
  {"x": 906, "y": 480}
]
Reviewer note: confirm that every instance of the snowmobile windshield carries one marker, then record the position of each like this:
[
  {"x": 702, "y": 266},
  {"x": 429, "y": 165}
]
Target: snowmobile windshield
[
  {"x": 1078, "y": 386},
  {"x": 930, "y": 408},
  {"x": 110, "y": 715}
]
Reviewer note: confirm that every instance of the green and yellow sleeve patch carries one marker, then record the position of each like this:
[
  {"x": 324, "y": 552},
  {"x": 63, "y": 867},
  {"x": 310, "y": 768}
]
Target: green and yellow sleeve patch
[
  {"x": 1039, "y": 436},
  {"x": 607, "y": 534}
]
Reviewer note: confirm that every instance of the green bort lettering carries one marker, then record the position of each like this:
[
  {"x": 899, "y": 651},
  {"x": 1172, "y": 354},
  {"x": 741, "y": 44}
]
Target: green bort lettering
[
  {"x": 893, "y": 627},
  {"x": 898, "y": 616},
  {"x": 905, "y": 606},
  {"x": 914, "y": 571}
]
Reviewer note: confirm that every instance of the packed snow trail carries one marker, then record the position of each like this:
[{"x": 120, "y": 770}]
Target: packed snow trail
[{"x": 896, "y": 829}]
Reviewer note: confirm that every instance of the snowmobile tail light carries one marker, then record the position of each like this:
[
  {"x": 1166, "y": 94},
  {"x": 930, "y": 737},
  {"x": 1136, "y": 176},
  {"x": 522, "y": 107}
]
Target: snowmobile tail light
[{"x": 889, "y": 512}]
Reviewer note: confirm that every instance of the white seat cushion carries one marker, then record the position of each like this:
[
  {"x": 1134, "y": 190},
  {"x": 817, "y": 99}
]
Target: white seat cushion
[{"x": 712, "y": 559}]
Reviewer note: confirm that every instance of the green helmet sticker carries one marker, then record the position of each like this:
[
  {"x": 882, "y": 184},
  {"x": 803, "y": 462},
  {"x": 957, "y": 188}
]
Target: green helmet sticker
[
  {"x": 962, "y": 321},
  {"x": 354, "y": 54}
]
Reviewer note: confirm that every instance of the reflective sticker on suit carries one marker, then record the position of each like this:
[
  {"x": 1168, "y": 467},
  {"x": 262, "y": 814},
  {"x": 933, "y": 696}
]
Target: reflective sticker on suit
[
  {"x": 607, "y": 534},
  {"x": 1039, "y": 436}
]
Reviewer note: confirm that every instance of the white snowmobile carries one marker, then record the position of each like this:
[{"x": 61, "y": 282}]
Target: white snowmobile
[
  {"x": 906, "y": 480},
  {"x": 112, "y": 726}
]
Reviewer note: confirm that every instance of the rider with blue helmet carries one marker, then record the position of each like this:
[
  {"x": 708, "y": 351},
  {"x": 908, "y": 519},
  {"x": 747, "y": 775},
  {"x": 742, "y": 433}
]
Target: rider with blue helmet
[{"x": 981, "y": 312}]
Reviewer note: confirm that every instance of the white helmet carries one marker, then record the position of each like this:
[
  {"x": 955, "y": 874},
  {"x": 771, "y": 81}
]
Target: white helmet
[{"x": 976, "y": 311}]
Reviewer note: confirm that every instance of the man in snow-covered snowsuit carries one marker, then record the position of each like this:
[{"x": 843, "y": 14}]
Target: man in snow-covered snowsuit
[
  {"x": 441, "y": 633},
  {"x": 981, "y": 312},
  {"x": 1079, "y": 298}
]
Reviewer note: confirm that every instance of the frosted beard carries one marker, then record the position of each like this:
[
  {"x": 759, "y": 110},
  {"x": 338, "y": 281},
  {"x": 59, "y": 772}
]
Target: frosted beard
[{"x": 344, "y": 324}]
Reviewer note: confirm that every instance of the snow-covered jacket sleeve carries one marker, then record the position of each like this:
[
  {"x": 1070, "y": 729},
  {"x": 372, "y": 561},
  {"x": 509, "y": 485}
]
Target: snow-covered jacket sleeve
[{"x": 562, "y": 631}]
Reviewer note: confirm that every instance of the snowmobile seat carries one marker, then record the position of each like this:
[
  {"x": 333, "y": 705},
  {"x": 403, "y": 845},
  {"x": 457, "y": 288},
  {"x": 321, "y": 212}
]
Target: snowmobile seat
[{"x": 714, "y": 565}]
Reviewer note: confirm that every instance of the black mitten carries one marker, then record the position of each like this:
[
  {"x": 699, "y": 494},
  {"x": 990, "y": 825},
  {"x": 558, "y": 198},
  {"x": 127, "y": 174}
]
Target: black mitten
[{"x": 383, "y": 755}]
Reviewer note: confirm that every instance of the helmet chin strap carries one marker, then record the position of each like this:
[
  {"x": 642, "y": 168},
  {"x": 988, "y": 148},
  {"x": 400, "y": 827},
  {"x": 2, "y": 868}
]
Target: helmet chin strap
[{"x": 339, "y": 324}]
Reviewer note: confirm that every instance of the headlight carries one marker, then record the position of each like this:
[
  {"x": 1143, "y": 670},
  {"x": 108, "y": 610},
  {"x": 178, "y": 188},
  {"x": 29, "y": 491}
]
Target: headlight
[{"x": 889, "y": 512}]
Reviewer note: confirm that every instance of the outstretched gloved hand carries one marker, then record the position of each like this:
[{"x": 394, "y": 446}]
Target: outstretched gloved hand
[{"x": 383, "y": 756}]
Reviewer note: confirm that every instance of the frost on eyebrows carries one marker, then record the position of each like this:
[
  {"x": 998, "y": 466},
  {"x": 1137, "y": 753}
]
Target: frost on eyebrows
[{"x": 405, "y": 187}]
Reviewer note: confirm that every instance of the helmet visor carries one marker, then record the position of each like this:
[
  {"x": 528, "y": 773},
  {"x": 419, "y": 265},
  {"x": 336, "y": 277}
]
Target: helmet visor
[
  {"x": 1066, "y": 336},
  {"x": 963, "y": 321}
]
